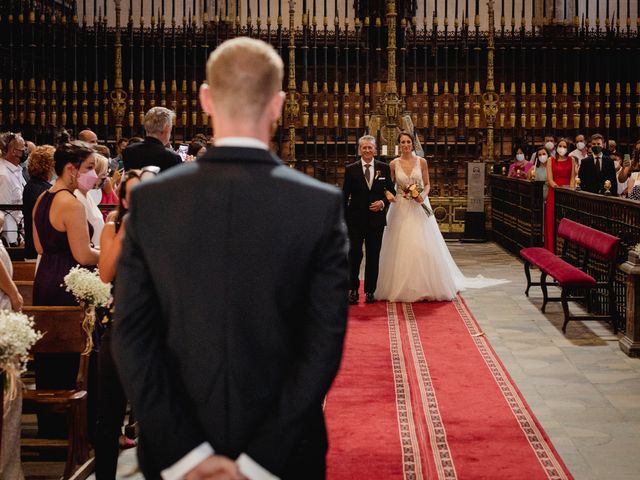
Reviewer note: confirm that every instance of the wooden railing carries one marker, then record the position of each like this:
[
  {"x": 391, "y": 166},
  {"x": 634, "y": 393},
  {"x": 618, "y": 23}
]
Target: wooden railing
[
  {"x": 516, "y": 212},
  {"x": 617, "y": 216}
]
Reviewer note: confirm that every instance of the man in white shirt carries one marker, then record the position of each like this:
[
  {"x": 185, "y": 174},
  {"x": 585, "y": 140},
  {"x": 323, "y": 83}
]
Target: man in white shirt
[
  {"x": 12, "y": 185},
  {"x": 580, "y": 151},
  {"x": 231, "y": 300}
]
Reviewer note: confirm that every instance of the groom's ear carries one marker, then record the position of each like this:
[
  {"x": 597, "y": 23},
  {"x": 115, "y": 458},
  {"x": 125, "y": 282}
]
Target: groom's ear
[{"x": 205, "y": 99}]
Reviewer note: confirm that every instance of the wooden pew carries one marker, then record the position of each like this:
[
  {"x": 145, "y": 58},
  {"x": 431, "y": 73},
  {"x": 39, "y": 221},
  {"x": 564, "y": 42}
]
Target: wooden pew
[
  {"x": 63, "y": 333},
  {"x": 25, "y": 287},
  {"x": 24, "y": 270}
]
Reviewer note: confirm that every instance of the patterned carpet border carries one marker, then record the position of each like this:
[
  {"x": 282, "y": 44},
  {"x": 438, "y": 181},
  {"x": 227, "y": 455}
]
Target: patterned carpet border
[{"x": 547, "y": 457}]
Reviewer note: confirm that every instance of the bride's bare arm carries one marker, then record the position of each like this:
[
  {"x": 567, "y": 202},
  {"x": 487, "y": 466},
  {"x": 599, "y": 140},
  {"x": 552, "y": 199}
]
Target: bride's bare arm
[{"x": 425, "y": 177}]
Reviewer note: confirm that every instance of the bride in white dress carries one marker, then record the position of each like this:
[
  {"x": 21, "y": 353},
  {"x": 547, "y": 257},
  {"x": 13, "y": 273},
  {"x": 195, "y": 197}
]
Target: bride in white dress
[{"x": 415, "y": 263}]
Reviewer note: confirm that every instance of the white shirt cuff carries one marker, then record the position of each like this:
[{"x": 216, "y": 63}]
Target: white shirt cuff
[
  {"x": 191, "y": 460},
  {"x": 253, "y": 471}
]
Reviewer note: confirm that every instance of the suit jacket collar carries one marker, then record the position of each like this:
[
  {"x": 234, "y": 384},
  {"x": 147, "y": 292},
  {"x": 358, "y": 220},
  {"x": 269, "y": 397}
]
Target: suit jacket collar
[
  {"x": 153, "y": 140},
  {"x": 240, "y": 155}
]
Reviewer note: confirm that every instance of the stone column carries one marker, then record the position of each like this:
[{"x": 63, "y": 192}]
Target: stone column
[{"x": 630, "y": 342}]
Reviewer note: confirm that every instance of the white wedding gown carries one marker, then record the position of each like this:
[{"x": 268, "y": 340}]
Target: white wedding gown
[{"x": 415, "y": 263}]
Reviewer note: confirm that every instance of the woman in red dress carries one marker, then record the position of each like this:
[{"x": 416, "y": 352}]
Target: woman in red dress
[{"x": 561, "y": 172}]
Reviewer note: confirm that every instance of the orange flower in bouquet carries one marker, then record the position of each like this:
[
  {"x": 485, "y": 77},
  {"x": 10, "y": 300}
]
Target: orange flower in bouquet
[{"x": 412, "y": 192}]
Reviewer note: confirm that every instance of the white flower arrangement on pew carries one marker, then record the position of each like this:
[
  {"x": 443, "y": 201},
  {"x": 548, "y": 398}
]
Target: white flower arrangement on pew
[
  {"x": 636, "y": 249},
  {"x": 17, "y": 336},
  {"x": 91, "y": 292}
]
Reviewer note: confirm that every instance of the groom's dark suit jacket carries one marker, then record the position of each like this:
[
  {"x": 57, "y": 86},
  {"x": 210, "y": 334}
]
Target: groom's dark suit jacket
[
  {"x": 231, "y": 310},
  {"x": 358, "y": 196}
]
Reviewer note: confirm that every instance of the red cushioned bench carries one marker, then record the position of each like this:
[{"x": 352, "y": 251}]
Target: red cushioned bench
[{"x": 570, "y": 278}]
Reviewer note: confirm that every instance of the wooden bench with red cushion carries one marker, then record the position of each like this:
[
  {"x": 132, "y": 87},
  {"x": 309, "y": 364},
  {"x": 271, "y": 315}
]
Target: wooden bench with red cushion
[{"x": 569, "y": 278}]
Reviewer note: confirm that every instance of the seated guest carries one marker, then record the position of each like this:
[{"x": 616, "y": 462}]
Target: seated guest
[
  {"x": 10, "y": 298},
  {"x": 85, "y": 194},
  {"x": 635, "y": 193},
  {"x": 158, "y": 123},
  {"x": 41, "y": 170},
  {"x": 520, "y": 166},
  {"x": 597, "y": 168},
  {"x": 61, "y": 235}
]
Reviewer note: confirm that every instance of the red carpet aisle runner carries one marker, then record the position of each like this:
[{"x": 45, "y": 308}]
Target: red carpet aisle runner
[{"x": 420, "y": 396}]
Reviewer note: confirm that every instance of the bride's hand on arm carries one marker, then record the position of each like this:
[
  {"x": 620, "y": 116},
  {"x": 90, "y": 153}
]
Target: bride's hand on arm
[
  {"x": 390, "y": 196},
  {"x": 392, "y": 170}
]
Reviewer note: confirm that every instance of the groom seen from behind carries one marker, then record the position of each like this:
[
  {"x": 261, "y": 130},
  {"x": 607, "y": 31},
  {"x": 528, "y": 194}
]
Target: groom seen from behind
[
  {"x": 230, "y": 297},
  {"x": 367, "y": 191}
]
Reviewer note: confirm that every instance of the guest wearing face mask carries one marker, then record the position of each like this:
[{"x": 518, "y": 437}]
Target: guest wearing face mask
[
  {"x": 520, "y": 167},
  {"x": 561, "y": 172},
  {"x": 549, "y": 144},
  {"x": 539, "y": 170},
  {"x": 580, "y": 151},
  {"x": 86, "y": 183},
  {"x": 597, "y": 168},
  {"x": 12, "y": 183},
  {"x": 61, "y": 235}
]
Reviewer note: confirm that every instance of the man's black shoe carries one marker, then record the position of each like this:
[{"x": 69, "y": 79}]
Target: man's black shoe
[
  {"x": 353, "y": 298},
  {"x": 369, "y": 298}
]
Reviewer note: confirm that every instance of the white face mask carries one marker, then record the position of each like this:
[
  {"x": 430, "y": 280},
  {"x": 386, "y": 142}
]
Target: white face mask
[
  {"x": 543, "y": 158},
  {"x": 549, "y": 146},
  {"x": 519, "y": 157},
  {"x": 580, "y": 145},
  {"x": 562, "y": 151}
]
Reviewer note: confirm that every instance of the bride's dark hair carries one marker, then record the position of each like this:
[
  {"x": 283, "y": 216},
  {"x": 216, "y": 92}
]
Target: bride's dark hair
[{"x": 408, "y": 134}]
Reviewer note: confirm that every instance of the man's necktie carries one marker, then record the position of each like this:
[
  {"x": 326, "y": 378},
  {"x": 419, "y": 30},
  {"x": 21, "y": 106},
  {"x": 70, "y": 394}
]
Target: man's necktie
[
  {"x": 598, "y": 166},
  {"x": 367, "y": 174}
]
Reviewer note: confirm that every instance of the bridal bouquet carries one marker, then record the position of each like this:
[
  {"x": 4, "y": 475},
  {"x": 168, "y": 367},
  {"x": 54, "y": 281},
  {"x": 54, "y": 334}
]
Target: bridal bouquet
[
  {"x": 91, "y": 292},
  {"x": 17, "y": 336},
  {"x": 411, "y": 192}
]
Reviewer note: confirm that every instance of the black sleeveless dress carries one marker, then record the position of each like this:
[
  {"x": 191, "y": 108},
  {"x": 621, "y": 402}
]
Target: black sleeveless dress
[
  {"x": 56, "y": 260},
  {"x": 55, "y": 370}
]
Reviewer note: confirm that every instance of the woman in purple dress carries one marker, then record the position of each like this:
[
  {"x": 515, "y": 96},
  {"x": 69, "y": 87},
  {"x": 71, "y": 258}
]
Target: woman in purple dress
[{"x": 61, "y": 236}]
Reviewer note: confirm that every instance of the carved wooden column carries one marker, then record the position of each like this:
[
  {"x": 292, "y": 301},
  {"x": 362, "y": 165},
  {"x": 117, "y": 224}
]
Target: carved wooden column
[{"x": 630, "y": 342}]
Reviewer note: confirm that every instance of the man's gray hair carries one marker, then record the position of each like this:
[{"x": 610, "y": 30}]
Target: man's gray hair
[
  {"x": 367, "y": 138},
  {"x": 157, "y": 119}
]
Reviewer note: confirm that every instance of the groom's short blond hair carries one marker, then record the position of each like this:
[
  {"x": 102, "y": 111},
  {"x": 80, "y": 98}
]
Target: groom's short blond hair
[{"x": 243, "y": 76}]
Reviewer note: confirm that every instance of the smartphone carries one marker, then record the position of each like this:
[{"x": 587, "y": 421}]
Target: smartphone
[{"x": 182, "y": 151}]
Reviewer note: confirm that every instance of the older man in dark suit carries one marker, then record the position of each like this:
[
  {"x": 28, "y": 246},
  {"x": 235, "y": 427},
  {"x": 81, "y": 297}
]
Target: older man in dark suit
[
  {"x": 158, "y": 123},
  {"x": 366, "y": 183},
  {"x": 231, "y": 312}
]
